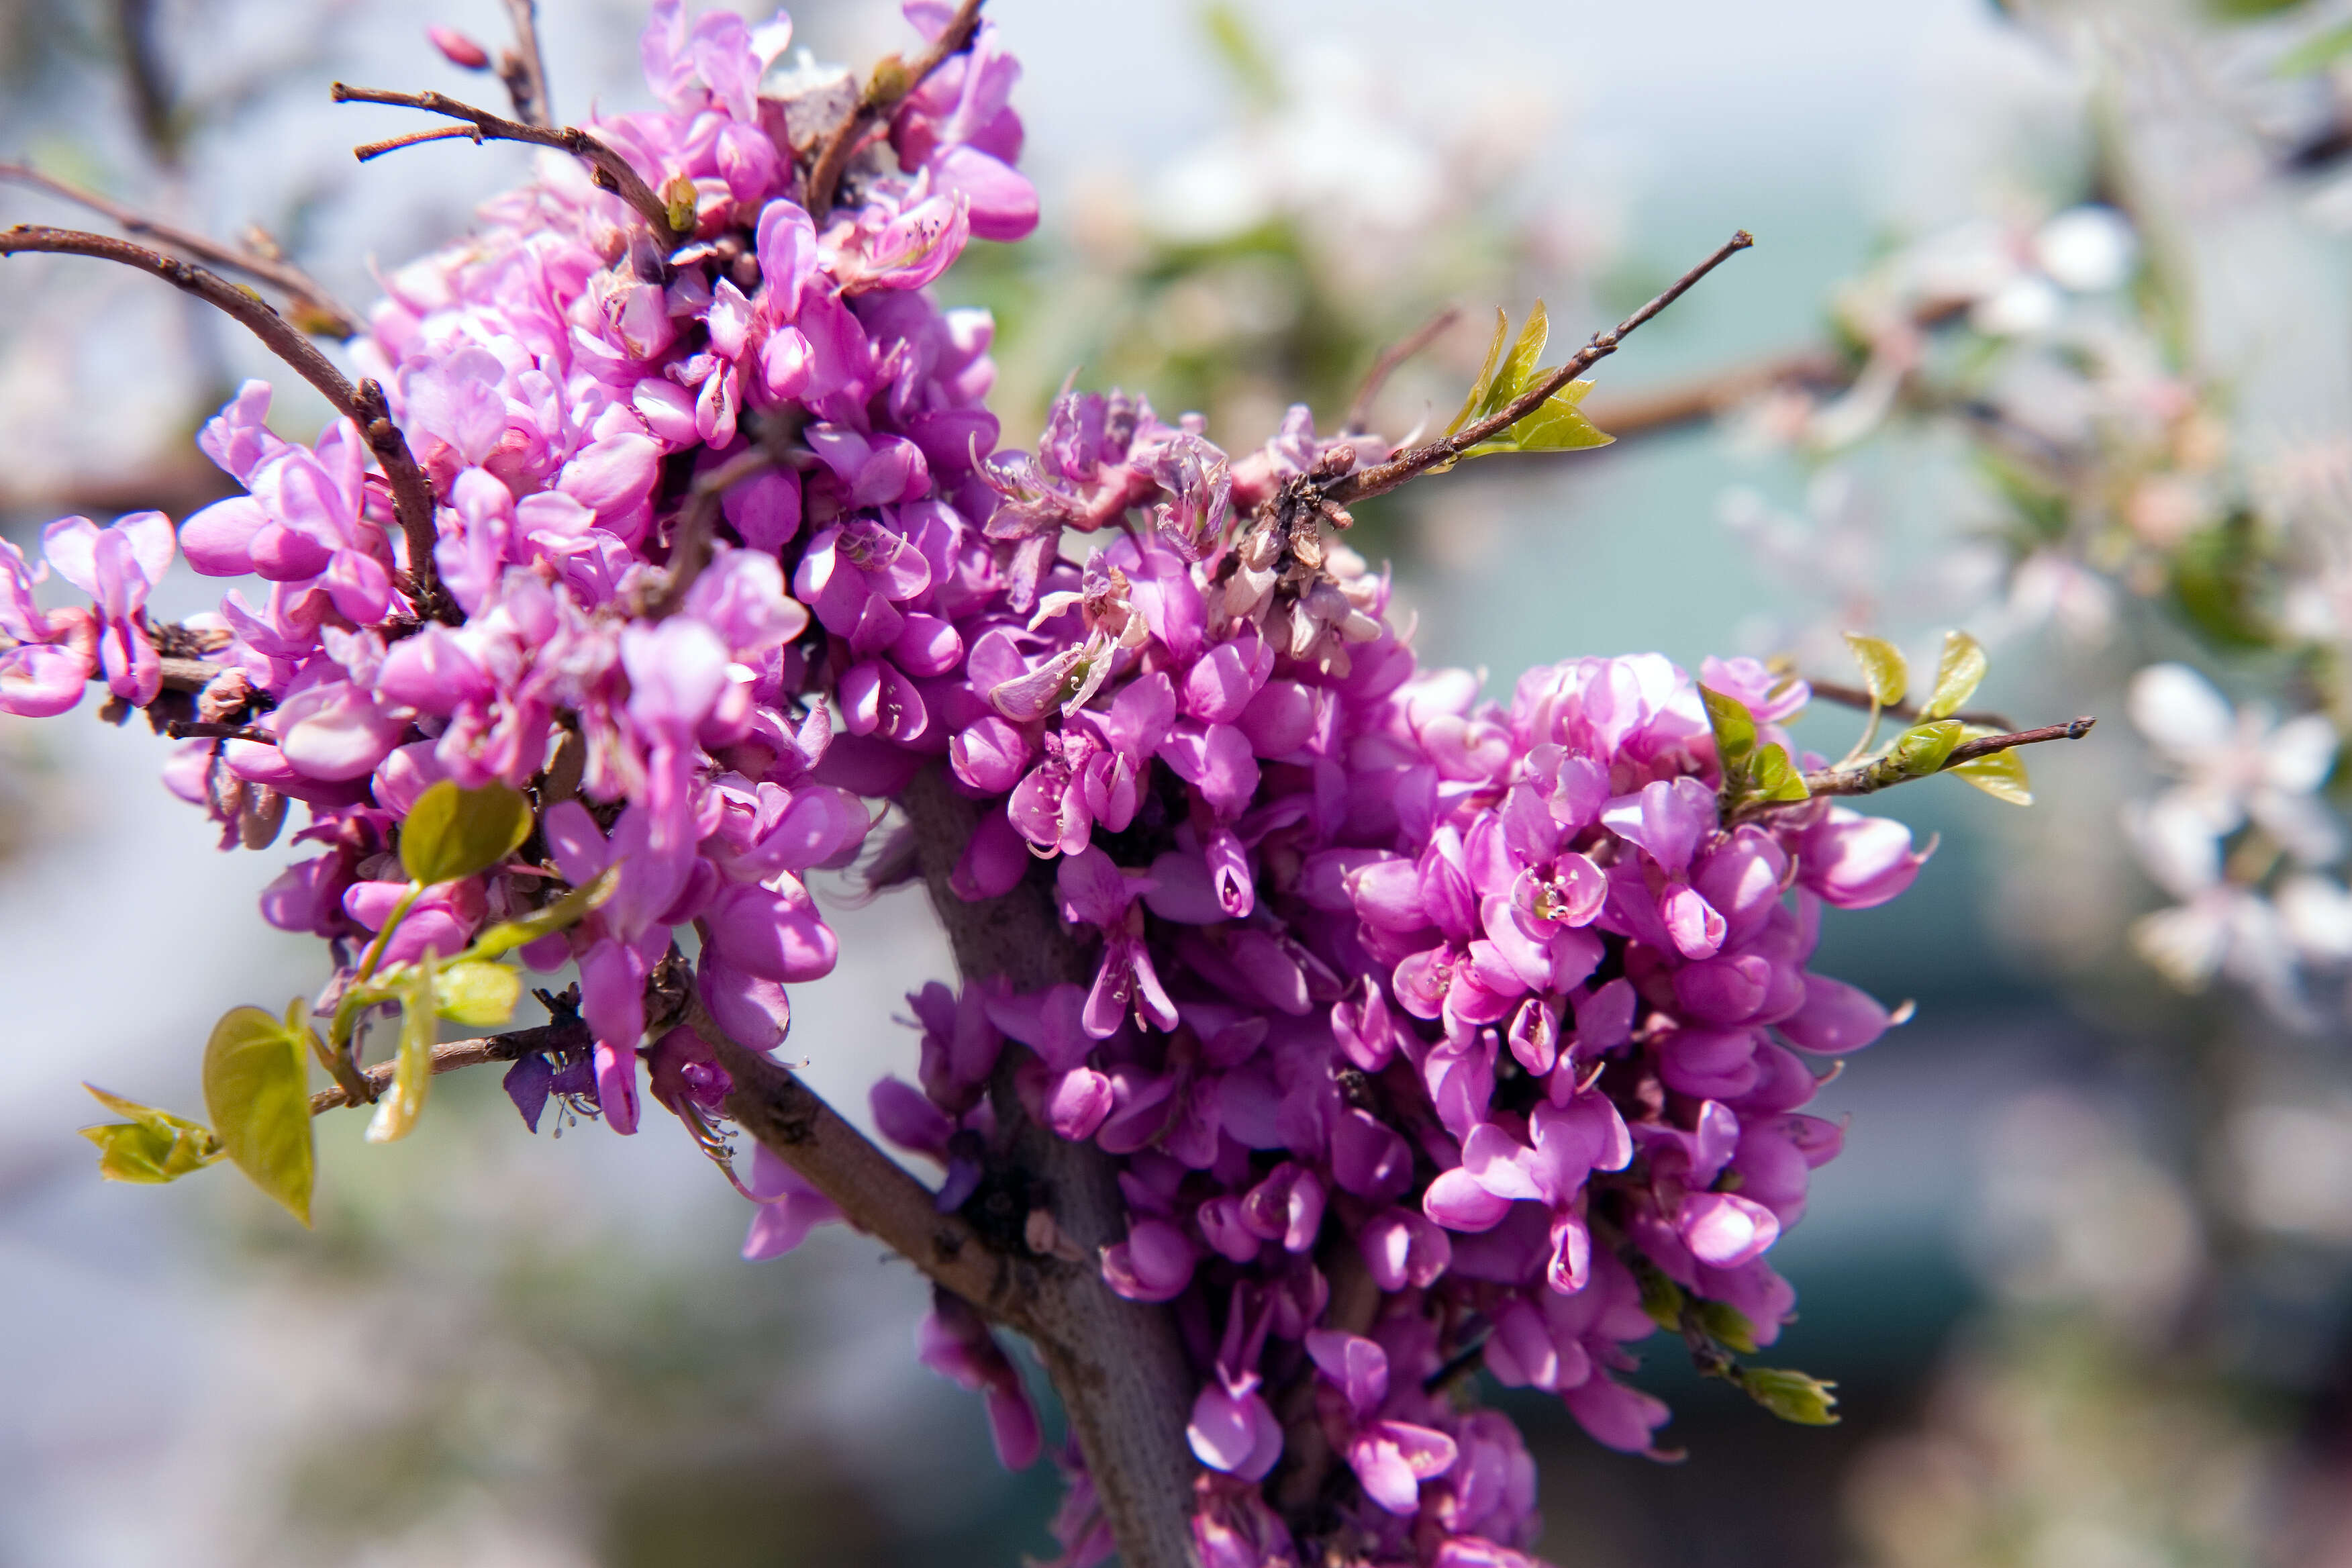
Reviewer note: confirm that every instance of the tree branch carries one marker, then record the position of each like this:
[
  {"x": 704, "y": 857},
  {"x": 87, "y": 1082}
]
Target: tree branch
[
  {"x": 330, "y": 317},
  {"x": 567, "y": 1035},
  {"x": 524, "y": 69},
  {"x": 1869, "y": 778},
  {"x": 892, "y": 80},
  {"x": 412, "y": 493},
  {"x": 609, "y": 170},
  {"x": 144, "y": 77},
  {"x": 1359, "y": 412},
  {"x": 1855, "y": 697},
  {"x": 1656, "y": 410},
  {"x": 690, "y": 545},
  {"x": 873, "y": 1192},
  {"x": 1119, "y": 1365},
  {"x": 1384, "y": 477}
]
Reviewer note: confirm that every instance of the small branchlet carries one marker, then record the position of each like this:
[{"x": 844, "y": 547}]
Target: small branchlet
[
  {"x": 1934, "y": 748},
  {"x": 892, "y": 80},
  {"x": 609, "y": 169},
  {"x": 1443, "y": 453},
  {"x": 524, "y": 69},
  {"x": 411, "y": 492},
  {"x": 315, "y": 309}
]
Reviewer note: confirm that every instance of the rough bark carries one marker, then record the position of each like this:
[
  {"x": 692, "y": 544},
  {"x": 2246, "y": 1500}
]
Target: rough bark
[{"x": 1119, "y": 1365}]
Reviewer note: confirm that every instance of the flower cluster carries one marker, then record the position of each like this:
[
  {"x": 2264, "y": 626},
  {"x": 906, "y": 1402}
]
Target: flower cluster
[{"x": 1424, "y": 1032}]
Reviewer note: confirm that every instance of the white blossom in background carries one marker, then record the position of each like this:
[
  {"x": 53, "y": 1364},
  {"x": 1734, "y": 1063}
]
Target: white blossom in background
[{"x": 2243, "y": 803}]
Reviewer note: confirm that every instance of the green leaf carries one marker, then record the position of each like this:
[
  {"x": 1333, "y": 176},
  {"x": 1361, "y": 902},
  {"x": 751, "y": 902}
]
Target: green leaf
[
  {"x": 1519, "y": 371},
  {"x": 1774, "y": 777},
  {"x": 153, "y": 1146},
  {"x": 396, "y": 1112},
  {"x": 1662, "y": 1298},
  {"x": 2315, "y": 53},
  {"x": 257, "y": 1092},
  {"x": 1957, "y": 675},
  {"x": 454, "y": 833},
  {"x": 1727, "y": 1326},
  {"x": 1882, "y": 667},
  {"x": 1921, "y": 750},
  {"x": 1239, "y": 49},
  {"x": 1556, "y": 424},
  {"x": 1791, "y": 1394},
  {"x": 1734, "y": 734},
  {"x": 481, "y": 995},
  {"x": 565, "y": 912},
  {"x": 2001, "y": 775},
  {"x": 1471, "y": 405}
]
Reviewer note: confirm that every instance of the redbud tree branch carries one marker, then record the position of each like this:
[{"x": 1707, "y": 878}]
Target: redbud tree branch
[
  {"x": 1384, "y": 477},
  {"x": 412, "y": 493},
  {"x": 1119, "y": 1365},
  {"x": 892, "y": 80},
  {"x": 1869, "y": 778},
  {"x": 1856, "y": 696},
  {"x": 570, "y": 1035},
  {"x": 609, "y": 169},
  {"x": 524, "y": 69},
  {"x": 1359, "y": 412},
  {"x": 331, "y": 317}
]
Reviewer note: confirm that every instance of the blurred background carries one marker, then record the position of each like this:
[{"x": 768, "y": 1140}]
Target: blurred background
[{"x": 2045, "y": 335}]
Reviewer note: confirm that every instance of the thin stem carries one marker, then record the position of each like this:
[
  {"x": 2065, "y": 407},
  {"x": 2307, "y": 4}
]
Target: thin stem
[
  {"x": 1359, "y": 412},
  {"x": 691, "y": 547},
  {"x": 144, "y": 75},
  {"x": 206, "y": 730},
  {"x": 1654, "y": 411},
  {"x": 873, "y": 1192},
  {"x": 892, "y": 80},
  {"x": 572, "y": 1035},
  {"x": 1872, "y": 777},
  {"x": 412, "y": 493},
  {"x": 332, "y": 318},
  {"x": 368, "y": 151},
  {"x": 524, "y": 69},
  {"x": 1384, "y": 477},
  {"x": 609, "y": 170},
  {"x": 1855, "y": 697}
]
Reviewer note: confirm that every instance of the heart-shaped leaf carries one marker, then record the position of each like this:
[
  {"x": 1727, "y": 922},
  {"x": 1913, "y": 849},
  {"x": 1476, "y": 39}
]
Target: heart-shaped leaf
[
  {"x": 1957, "y": 675},
  {"x": 1882, "y": 667},
  {"x": 454, "y": 833},
  {"x": 481, "y": 995},
  {"x": 257, "y": 1092}
]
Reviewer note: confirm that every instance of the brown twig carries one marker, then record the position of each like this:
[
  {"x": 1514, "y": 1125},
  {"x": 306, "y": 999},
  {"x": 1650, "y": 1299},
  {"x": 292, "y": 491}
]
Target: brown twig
[
  {"x": 567, "y": 1035},
  {"x": 206, "y": 730},
  {"x": 332, "y": 318},
  {"x": 1359, "y": 412},
  {"x": 144, "y": 75},
  {"x": 412, "y": 493},
  {"x": 367, "y": 151},
  {"x": 1384, "y": 477},
  {"x": 873, "y": 1192},
  {"x": 689, "y": 550},
  {"x": 892, "y": 80},
  {"x": 1654, "y": 411},
  {"x": 1855, "y": 697},
  {"x": 609, "y": 169},
  {"x": 524, "y": 69}
]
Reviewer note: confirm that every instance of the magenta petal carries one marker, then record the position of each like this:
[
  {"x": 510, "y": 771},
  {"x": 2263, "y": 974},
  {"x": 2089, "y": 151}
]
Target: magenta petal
[{"x": 1835, "y": 1018}]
